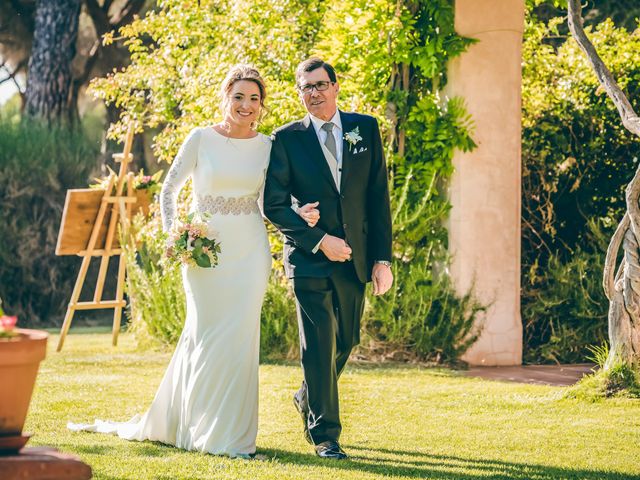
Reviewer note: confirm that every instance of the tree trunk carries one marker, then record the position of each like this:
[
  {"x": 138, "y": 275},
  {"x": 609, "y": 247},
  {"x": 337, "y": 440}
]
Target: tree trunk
[
  {"x": 622, "y": 284},
  {"x": 49, "y": 81}
]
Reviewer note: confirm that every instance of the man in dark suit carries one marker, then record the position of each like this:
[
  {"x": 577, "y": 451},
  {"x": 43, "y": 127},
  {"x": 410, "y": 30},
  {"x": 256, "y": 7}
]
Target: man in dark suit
[{"x": 335, "y": 160}]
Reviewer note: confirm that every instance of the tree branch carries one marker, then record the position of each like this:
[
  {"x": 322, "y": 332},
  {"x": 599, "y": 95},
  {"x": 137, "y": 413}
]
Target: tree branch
[
  {"x": 128, "y": 11},
  {"x": 608, "y": 275},
  {"x": 89, "y": 64},
  {"x": 99, "y": 16},
  {"x": 629, "y": 117}
]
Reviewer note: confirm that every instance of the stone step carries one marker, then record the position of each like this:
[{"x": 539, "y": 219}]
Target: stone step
[
  {"x": 43, "y": 463},
  {"x": 557, "y": 375}
]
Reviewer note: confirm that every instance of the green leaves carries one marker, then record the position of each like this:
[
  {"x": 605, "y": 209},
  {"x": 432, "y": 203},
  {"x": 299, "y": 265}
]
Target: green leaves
[
  {"x": 391, "y": 59},
  {"x": 180, "y": 54},
  {"x": 201, "y": 258},
  {"x": 576, "y": 162}
]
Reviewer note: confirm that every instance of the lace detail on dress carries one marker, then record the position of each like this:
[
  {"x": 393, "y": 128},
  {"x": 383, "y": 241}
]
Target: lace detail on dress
[
  {"x": 226, "y": 205},
  {"x": 180, "y": 170}
]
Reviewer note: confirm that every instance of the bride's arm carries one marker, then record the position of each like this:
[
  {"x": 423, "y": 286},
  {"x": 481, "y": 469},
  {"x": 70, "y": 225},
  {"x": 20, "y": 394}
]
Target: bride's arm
[{"x": 180, "y": 170}]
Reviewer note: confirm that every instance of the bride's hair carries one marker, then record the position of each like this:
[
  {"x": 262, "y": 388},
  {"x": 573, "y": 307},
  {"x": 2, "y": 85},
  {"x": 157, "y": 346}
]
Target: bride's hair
[{"x": 242, "y": 72}]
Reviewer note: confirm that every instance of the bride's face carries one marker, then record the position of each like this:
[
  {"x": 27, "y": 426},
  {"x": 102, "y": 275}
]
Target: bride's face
[{"x": 243, "y": 103}]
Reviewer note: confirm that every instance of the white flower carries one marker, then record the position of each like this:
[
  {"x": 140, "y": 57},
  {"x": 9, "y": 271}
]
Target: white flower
[{"x": 353, "y": 137}]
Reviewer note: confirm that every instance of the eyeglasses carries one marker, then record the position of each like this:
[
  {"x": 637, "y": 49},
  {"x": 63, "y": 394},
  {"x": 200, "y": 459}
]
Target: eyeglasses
[{"x": 319, "y": 86}]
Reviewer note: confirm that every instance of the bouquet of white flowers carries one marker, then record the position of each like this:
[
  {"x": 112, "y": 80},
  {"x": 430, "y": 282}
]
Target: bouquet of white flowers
[{"x": 189, "y": 243}]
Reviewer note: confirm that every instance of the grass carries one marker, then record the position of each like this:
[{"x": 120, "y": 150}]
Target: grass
[{"x": 400, "y": 422}]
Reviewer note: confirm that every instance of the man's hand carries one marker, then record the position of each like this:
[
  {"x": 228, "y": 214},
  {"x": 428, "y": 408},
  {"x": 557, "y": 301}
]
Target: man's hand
[
  {"x": 382, "y": 278},
  {"x": 309, "y": 213},
  {"x": 336, "y": 249}
]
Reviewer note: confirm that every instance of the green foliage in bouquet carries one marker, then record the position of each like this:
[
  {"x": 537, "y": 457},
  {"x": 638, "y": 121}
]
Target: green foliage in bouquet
[{"x": 190, "y": 245}]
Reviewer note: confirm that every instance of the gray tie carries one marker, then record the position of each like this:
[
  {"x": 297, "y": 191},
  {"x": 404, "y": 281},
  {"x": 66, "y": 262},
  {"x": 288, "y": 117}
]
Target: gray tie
[{"x": 330, "y": 142}]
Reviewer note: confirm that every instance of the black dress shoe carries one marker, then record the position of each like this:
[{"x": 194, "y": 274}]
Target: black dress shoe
[
  {"x": 330, "y": 449},
  {"x": 304, "y": 414}
]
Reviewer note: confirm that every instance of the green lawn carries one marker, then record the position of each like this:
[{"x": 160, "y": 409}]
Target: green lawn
[{"x": 399, "y": 422}]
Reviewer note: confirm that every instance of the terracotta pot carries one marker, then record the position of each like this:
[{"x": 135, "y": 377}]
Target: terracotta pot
[{"x": 20, "y": 357}]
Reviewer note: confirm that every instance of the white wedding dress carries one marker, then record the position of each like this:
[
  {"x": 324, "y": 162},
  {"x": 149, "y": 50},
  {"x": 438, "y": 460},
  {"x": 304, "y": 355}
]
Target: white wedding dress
[{"x": 208, "y": 398}]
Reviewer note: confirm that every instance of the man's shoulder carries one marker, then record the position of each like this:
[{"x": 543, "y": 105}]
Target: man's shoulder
[
  {"x": 289, "y": 127},
  {"x": 361, "y": 118}
]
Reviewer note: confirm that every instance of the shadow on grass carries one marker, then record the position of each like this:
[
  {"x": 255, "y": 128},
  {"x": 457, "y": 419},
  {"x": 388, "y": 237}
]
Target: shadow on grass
[
  {"x": 82, "y": 330},
  {"x": 440, "y": 467},
  {"x": 378, "y": 462},
  {"x": 143, "y": 449},
  {"x": 391, "y": 366}
]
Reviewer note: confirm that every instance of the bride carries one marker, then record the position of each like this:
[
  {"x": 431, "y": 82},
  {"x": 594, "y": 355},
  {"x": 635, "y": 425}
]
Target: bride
[{"x": 208, "y": 398}]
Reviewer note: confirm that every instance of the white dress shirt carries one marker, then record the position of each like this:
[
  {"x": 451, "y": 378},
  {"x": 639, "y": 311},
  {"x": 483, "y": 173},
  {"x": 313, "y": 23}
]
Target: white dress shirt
[{"x": 335, "y": 165}]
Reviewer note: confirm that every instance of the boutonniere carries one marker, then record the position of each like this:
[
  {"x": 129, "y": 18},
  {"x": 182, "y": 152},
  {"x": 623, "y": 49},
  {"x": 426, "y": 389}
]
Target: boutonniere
[{"x": 353, "y": 137}]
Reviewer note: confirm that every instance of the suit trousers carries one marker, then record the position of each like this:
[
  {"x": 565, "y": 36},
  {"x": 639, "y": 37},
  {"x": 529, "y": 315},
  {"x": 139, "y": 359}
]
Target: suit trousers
[{"x": 329, "y": 311}]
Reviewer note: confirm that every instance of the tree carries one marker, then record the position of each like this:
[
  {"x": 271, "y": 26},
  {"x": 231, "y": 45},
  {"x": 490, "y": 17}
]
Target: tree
[
  {"x": 621, "y": 286},
  {"x": 623, "y": 13},
  {"x": 16, "y": 33},
  {"x": 92, "y": 58},
  {"x": 54, "y": 46}
]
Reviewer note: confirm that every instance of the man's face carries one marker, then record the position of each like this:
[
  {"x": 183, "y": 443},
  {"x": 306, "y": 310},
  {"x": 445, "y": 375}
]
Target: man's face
[{"x": 321, "y": 104}]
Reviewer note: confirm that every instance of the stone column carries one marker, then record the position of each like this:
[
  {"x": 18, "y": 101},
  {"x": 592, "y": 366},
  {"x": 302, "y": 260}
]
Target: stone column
[{"x": 484, "y": 225}]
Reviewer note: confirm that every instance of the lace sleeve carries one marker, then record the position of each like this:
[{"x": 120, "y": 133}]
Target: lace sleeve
[{"x": 180, "y": 170}]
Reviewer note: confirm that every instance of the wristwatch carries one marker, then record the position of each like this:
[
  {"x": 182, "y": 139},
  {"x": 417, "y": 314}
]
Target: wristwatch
[{"x": 384, "y": 262}]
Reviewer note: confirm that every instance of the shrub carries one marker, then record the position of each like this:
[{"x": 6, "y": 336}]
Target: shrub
[
  {"x": 278, "y": 321},
  {"x": 157, "y": 307},
  {"x": 37, "y": 165},
  {"x": 422, "y": 317},
  {"x": 564, "y": 309},
  {"x": 577, "y": 160},
  {"x": 619, "y": 380}
]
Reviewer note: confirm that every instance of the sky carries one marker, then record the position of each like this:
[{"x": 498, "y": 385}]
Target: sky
[{"x": 7, "y": 89}]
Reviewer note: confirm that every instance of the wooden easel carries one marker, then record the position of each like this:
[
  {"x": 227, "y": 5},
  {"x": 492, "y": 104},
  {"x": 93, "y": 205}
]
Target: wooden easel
[{"x": 118, "y": 205}]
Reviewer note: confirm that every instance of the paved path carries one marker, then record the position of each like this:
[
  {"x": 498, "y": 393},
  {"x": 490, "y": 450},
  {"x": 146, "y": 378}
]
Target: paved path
[{"x": 559, "y": 375}]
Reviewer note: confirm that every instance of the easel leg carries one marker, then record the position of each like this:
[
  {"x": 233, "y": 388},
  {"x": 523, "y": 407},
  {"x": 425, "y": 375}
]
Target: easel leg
[
  {"x": 117, "y": 314},
  {"x": 65, "y": 326},
  {"x": 74, "y": 299}
]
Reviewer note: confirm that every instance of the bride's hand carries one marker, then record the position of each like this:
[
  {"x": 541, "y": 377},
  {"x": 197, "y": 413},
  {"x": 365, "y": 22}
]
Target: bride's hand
[{"x": 309, "y": 213}]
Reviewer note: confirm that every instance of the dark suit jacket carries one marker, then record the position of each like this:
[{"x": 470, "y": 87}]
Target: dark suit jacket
[{"x": 359, "y": 213}]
